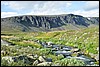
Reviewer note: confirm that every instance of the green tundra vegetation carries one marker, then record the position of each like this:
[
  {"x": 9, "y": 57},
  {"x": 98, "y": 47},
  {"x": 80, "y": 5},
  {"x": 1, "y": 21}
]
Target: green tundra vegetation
[{"x": 85, "y": 39}]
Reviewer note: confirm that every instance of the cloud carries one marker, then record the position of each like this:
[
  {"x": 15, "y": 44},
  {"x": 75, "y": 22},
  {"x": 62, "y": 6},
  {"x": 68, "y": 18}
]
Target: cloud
[
  {"x": 36, "y": 5},
  {"x": 91, "y": 5},
  {"x": 91, "y": 13},
  {"x": 17, "y": 5},
  {"x": 8, "y": 14},
  {"x": 50, "y": 8}
]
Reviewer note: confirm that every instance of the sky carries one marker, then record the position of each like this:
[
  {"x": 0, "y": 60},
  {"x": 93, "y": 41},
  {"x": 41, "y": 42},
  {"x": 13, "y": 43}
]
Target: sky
[{"x": 17, "y": 8}]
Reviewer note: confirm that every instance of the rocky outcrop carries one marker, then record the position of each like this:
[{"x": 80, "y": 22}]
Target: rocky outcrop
[
  {"x": 45, "y": 23},
  {"x": 94, "y": 20}
]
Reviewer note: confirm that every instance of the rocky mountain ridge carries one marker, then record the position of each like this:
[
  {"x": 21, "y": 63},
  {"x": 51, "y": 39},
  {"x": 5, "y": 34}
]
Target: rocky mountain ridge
[{"x": 46, "y": 22}]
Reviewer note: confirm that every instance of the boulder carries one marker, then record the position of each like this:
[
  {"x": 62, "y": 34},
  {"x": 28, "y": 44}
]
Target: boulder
[
  {"x": 41, "y": 59},
  {"x": 92, "y": 55},
  {"x": 30, "y": 56},
  {"x": 49, "y": 59},
  {"x": 38, "y": 41},
  {"x": 45, "y": 64},
  {"x": 25, "y": 59},
  {"x": 4, "y": 43},
  {"x": 35, "y": 62},
  {"x": 97, "y": 48},
  {"x": 3, "y": 52},
  {"x": 49, "y": 43},
  {"x": 92, "y": 63},
  {"x": 97, "y": 57},
  {"x": 35, "y": 56},
  {"x": 8, "y": 58},
  {"x": 75, "y": 50}
]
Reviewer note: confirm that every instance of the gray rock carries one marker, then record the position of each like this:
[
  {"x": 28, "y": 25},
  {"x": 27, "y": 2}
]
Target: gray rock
[
  {"x": 42, "y": 59},
  {"x": 49, "y": 59},
  {"x": 35, "y": 56},
  {"x": 49, "y": 43},
  {"x": 38, "y": 41},
  {"x": 25, "y": 59},
  {"x": 8, "y": 58},
  {"x": 3, "y": 52},
  {"x": 35, "y": 62},
  {"x": 97, "y": 57},
  {"x": 97, "y": 48},
  {"x": 75, "y": 50},
  {"x": 45, "y": 64},
  {"x": 30, "y": 56},
  {"x": 92, "y": 55},
  {"x": 91, "y": 63},
  {"x": 4, "y": 43}
]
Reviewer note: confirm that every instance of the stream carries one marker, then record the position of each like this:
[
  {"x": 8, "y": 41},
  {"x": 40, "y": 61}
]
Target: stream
[{"x": 66, "y": 51}]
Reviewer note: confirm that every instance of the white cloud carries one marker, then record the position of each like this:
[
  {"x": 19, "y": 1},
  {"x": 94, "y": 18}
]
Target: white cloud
[
  {"x": 36, "y": 5},
  {"x": 49, "y": 8},
  {"x": 8, "y": 14},
  {"x": 91, "y": 13},
  {"x": 91, "y": 5},
  {"x": 17, "y": 5},
  {"x": 52, "y": 12}
]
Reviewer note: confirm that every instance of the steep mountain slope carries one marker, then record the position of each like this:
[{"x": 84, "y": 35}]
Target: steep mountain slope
[{"x": 46, "y": 23}]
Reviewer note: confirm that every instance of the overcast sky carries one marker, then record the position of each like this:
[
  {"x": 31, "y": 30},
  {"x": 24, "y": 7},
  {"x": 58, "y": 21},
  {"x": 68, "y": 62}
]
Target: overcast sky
[{"x": 16, "y": 8}]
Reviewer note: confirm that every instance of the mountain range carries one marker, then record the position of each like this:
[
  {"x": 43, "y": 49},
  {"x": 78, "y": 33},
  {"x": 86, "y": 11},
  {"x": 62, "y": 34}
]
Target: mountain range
[{"x": 34, "y": 23}]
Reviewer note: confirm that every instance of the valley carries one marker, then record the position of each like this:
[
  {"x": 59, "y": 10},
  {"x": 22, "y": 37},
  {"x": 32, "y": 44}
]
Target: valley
[
  {"x": 50, "y": 33},
  {"x": 55, "y": 48}
]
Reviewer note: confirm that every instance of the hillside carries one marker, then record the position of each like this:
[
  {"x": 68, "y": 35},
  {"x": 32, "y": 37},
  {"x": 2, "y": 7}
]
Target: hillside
[
  {"x": 47, "y": 22},
  {"x": 28, "y": 46}
]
